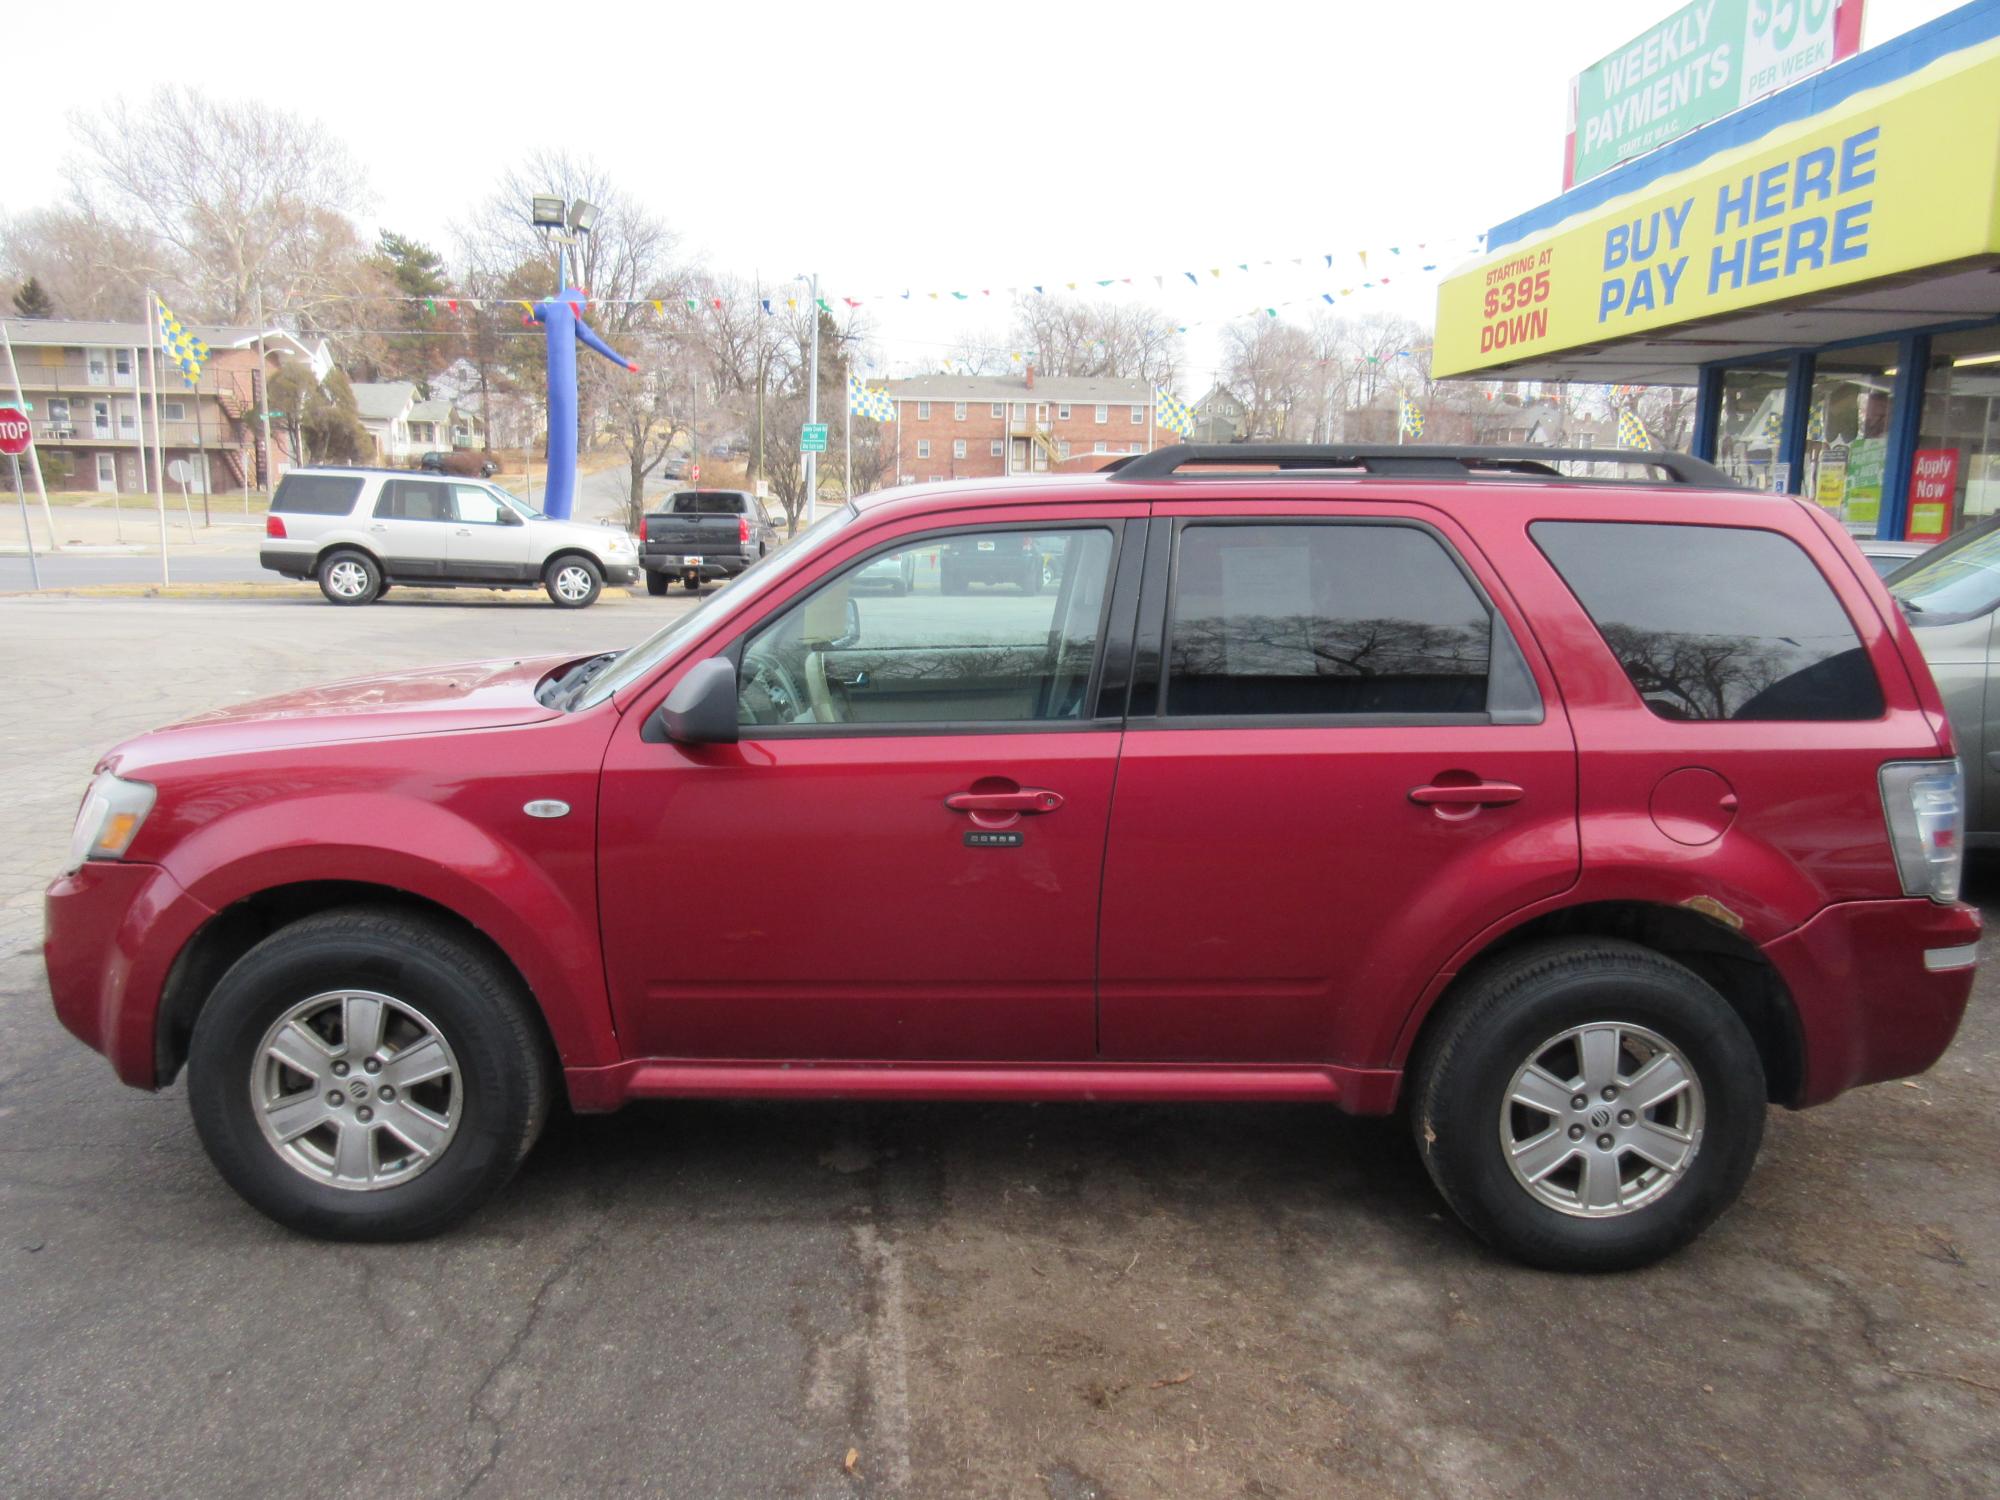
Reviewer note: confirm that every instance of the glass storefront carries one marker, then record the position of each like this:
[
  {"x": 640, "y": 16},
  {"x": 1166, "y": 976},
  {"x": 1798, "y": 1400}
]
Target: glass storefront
[
  {"x": 1955, "y": 471},
  {"x": 1847, "y": 433},
  {"x": 1751, "y": 426}
]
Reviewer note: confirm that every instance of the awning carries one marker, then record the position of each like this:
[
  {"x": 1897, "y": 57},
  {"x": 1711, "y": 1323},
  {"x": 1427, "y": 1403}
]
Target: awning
[{"x": 1879, "y": 214}]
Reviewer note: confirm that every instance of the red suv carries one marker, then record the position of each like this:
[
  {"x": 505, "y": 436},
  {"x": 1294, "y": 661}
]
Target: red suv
[{"x": 1581, "y": 818}]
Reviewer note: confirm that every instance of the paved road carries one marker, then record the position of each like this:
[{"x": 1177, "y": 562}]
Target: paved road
[{"x": 723, "y": 1300}]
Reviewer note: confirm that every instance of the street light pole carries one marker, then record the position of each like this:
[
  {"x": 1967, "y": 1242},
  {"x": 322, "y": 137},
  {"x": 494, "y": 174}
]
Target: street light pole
[{"x": 812, "y": 407}]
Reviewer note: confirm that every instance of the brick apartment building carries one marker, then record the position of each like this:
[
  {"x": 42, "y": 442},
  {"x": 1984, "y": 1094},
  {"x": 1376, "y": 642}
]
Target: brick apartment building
[
  {"x": 93, "y": 403},
  {"x": 970, "y": 426}
]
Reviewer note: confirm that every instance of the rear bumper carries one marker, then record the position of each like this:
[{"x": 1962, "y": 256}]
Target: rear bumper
[
  {"x": 1869, "y": 1005},
  {"x": 712, "y": 566},
  {"x": 113, "y": 931},
  {"x": 291, "y": 564}
]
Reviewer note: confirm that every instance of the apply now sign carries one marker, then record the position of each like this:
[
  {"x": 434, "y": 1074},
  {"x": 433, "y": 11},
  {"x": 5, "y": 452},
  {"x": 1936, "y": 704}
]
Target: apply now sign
[
  {"x": 1706, "y": 59},
  {"x": 1894, "y": 180}
]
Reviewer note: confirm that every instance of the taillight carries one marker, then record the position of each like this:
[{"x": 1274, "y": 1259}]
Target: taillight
[
  {"x": 642, "y": 528},
  {"x": 274, "y": 525},
  {"x": 1924, "y": 802},
  {"x": 742, "y": 528}
]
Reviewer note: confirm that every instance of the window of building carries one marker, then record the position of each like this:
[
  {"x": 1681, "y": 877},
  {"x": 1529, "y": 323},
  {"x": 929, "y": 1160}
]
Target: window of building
[
  {"x": 1135, "y": 447},
  {"x": 997, "y": 448},
  {"x": 1062, "y": 447},
  {"x": 958, "y": 411},
  {"x": 1100, "y": 446},
  {"x": 1847, "y": 431},
  {"x": 1753, "y": 419},
  {"x": 173, "y": 411},
  {"x": 1041, "y": 411},
  {"x": 1955, "y": 471},
  {"x": 1138, "y": 416},
  {"x": 923, "y": 411},
  {"x": 1323, "y": 619},
  {"x": 1715, "y": 622},
  {"x": 999, "y": 409},
  {"x": 1062, "y": 412},
  {"x": 1020, "y": 411},
  {"x": 121, "y": 362},
  {"x": 933, "y": 478},
  {"x": 923, "y": 447},
  {"x": 59, "y": 411},
  {"x": 961, "y": 646},
  {"x": 958, "y": 447},
  {"x": 1103, "y": 414}
]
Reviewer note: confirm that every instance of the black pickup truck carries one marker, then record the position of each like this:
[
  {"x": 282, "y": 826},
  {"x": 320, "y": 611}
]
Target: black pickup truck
[{"x": 703, "y": 534}]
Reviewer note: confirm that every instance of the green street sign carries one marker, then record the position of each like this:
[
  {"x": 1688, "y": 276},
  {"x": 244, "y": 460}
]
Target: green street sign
[{"x": 812, "y": 437}]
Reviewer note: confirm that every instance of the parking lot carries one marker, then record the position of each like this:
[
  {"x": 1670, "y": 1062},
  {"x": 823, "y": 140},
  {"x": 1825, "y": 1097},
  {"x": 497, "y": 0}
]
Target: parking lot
[{"x": 828, "y": 1300}]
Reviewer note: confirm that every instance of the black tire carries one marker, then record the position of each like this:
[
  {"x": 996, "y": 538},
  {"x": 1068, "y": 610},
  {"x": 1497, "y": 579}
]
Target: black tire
[
  {"x": 949, "y": 581},
  {"x": 344, "y": 564},
  {"x": 1032, "y": 582},
  {"x": 1467, "y": 1063},
  {"x": 562, "y": 572},
  {"x": 476, "y": 1003},
  {"x": 656, "y": 584}
]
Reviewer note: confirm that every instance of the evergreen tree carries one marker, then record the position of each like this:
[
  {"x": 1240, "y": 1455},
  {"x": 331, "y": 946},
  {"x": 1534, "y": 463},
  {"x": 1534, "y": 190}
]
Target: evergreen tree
[{"x": 31, "y": 301}]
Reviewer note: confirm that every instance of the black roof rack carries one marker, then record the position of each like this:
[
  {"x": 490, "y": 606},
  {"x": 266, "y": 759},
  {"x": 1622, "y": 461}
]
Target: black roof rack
[{"x": 1416, "y": 461}]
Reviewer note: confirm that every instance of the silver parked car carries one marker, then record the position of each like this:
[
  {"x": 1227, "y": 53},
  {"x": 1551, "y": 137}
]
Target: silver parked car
[{"x": 1951, "y": 597}]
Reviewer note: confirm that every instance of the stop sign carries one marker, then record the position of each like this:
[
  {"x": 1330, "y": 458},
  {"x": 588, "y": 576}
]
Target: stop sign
[{"x": 13, "y": 431}]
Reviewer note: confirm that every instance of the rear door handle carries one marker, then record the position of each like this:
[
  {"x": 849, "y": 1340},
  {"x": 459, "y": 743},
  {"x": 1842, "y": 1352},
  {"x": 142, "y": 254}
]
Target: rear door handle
[
  {"x": 1028, "y": 799},
  {"x": 1470, "y": 794}
]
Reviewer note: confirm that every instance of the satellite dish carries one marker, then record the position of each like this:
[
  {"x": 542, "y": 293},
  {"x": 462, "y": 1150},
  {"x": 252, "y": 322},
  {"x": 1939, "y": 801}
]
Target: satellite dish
[{"x": 180, "y": 471}]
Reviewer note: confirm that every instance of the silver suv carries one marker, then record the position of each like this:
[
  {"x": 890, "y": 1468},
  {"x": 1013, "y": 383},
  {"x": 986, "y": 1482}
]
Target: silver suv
[{"x": 357, "y": 531}]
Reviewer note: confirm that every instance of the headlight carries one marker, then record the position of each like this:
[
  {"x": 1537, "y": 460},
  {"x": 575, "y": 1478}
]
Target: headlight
[
  {"x": 620, "y": 544},
  {"x": 112, "y": 813}
]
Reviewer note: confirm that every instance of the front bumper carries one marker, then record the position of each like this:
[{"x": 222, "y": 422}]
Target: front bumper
[
  {"x": 623, "y": 575},
  {"x": 1869, "y": 1006},
  {"x": 113, "y": 930}
]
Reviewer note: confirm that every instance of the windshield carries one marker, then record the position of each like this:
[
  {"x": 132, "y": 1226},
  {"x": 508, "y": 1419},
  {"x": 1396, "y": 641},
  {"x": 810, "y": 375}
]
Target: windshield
[
  {"x": 751, "y": 582},
  {"x": 1956, "y": 581}
]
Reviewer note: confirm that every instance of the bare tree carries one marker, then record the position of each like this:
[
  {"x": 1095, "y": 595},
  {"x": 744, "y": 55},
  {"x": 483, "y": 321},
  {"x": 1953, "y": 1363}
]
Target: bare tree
[
  {"x": 241, "y": 201},
  {"x": 91, "y": 265},
  {"x": 1271, "y": 368},
  {"x": 1075, "y": 338}
]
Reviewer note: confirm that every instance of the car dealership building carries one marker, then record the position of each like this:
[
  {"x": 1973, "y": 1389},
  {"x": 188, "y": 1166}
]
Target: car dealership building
[{"x": 1823, "y": 265}]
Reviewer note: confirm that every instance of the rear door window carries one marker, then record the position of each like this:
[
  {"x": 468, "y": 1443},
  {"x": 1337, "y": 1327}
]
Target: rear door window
[
  {"x": 317, "y": 494},
  {"x": 1318, "y": 619},
  {"x": 413, "y": 500},
  {"x": 1716, "y": 622}
]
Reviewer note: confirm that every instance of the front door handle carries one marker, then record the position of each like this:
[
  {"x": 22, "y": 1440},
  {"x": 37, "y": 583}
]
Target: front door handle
[
  {"x": 1026, "y": 800},
  {"x": 1467, "y": 794}
]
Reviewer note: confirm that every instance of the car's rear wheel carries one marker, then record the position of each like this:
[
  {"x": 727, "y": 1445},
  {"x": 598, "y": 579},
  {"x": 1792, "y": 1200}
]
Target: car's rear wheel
[
  {"x": 368, "y": 1074},
  {"x": 572, "y": 582},
  {"x": 1589, "y": 1105},
  {"x": 350, "y": 577},
  {"x": 656, "y": 584}
]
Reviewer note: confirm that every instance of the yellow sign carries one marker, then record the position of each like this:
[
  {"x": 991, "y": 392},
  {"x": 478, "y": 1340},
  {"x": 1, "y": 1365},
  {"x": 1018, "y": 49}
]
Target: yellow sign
[
  {"x": 1832, "y": 487},
  {"x": 1897, "y": 178}
]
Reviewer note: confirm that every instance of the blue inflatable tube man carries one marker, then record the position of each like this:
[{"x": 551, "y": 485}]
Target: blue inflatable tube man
[{"x": 562, "y": 315}]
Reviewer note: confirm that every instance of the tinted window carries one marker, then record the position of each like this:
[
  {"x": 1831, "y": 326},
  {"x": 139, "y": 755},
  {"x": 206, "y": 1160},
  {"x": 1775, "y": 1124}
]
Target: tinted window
[
  {"x": 413, "y": 500},
  {"x": 991, "y": 627},
  {"x": 1323, "y": 619},
  {"x": 694, "y": 503},
  {"x": 1716, "y": 622},
  {"x": 317, "y": 494}
]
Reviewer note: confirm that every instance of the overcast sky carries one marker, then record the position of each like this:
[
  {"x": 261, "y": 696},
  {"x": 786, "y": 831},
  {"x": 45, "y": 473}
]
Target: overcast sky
[{"x": 935, "y": 147}]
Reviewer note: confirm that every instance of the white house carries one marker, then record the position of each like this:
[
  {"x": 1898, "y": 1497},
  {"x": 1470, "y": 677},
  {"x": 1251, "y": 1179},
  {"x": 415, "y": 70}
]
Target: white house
[{"x": 384, "y": 408}]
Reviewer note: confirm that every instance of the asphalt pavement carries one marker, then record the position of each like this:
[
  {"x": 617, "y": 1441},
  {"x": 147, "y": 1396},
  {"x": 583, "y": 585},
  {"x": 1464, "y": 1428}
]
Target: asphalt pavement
[{"x": 710, "y": 1299}]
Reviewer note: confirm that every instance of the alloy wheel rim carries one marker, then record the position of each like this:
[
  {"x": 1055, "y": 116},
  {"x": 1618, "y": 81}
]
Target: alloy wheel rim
[
  {"x": 572, "y": 583},
  {"x": 1602, "y": 1119},
  {"x": 356, "y": 1090},
  {"x": 349, "y": 579}
]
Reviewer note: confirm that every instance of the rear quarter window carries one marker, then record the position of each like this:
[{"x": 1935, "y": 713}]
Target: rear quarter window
[
  {"x": 1716, "y": 622},
  {"x": 317, "y": 494}
]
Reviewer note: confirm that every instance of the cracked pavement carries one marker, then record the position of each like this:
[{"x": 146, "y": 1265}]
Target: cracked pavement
[{"x": 725, "y": 1299}]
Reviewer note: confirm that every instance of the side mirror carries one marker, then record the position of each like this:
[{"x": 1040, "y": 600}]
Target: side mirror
[
  {"x": 701, "y": 710},
  {"x": 511, "y": 517},
  {"x": 852, "y": 635}
]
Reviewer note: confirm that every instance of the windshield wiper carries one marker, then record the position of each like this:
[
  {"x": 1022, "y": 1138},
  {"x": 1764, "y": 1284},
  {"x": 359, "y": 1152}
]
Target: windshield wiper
[{"x": 570, "y": 687}]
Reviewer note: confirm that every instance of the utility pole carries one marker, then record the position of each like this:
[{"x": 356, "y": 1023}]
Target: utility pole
[
  {"x": 261, "y": 389},
  {"x": 812, "y": 408},
  {"x": 757, "y": 313}
]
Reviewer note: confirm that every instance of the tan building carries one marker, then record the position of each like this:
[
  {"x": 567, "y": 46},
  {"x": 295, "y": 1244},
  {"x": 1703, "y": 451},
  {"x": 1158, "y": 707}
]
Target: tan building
[
  {"x": 92, "y": 403},
  {"x": 969, "y": 426}
]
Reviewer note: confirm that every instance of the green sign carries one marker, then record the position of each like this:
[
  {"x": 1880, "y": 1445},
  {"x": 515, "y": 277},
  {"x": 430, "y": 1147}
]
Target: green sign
[
  {"x": 1706, "y": 59},
  {"x": 812, "y": 437},
  {"x": 1864, "y": 479}
]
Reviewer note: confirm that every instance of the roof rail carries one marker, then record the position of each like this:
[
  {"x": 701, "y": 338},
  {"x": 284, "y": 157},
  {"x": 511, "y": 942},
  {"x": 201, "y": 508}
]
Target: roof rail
[{"x": 1417, "y": 460}]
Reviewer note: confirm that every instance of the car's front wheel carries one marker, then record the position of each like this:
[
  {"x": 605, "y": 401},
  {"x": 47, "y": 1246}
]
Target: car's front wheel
[
  {"x": 350, "y": 577},
  {"x": 1589, "y": 1105},
  {"x": 573, "y": 582},
  {"x": 368, "y": 1074}
]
